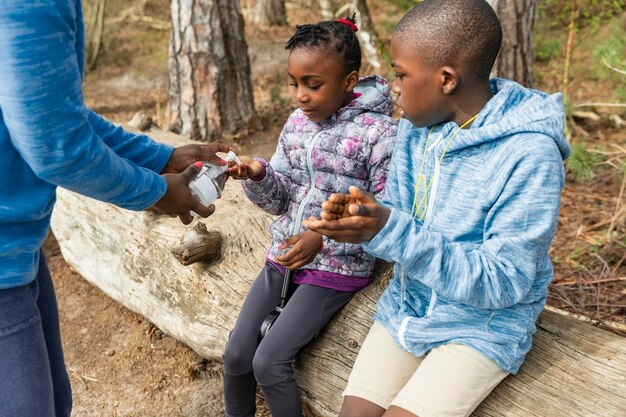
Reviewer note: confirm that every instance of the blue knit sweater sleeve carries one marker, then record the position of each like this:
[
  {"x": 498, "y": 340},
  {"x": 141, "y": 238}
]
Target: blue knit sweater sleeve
[
  {"x": 140, "y": 149},
  {"x": 42, "y": 106}
]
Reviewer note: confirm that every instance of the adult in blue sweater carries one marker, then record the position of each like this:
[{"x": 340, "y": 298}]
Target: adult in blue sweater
[
  {"x": 49, "y": 138},
  {"x": 470, "y": 208}
]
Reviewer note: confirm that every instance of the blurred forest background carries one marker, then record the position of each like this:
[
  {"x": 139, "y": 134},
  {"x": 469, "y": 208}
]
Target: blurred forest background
[{"x": 136, "y": 62}]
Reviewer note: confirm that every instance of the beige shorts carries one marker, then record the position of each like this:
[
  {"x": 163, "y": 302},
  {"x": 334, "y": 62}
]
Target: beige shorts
[{"x": 451, "y": 380}]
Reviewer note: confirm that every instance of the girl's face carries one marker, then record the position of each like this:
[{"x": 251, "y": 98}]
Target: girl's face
[
  {"x": 419, "y": 88},
  {"x": 320, "y": 85}
]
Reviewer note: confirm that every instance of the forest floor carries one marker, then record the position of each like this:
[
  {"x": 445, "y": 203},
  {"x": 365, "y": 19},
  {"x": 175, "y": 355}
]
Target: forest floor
[{"x": 122, "y": 365}]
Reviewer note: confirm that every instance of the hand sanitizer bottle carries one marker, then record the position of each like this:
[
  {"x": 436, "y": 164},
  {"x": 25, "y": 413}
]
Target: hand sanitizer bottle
[{"x": 209, "y": 183}]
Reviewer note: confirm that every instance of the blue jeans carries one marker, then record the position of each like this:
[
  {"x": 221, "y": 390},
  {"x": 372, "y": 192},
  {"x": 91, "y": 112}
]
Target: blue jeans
[{"x": 33, "y": 378}]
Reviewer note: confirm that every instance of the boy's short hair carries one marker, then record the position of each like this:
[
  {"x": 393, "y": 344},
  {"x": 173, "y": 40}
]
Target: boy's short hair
[{"x": 465, "y": 32}]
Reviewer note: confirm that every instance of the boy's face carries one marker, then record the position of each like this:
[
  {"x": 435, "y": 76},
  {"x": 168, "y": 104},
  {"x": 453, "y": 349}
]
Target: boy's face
[
  {"x": 418, "y": 86},
  {"x": 319, "y": 83}
]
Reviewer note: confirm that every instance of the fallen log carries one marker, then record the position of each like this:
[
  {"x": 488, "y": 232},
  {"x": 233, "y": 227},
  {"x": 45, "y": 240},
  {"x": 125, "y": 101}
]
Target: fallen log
[{"x": 148, "y": 262}]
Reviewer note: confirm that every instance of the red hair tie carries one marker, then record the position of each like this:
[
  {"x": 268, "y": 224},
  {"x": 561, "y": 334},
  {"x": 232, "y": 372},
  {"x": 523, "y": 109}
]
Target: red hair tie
[{"x": 349, "y": 24}]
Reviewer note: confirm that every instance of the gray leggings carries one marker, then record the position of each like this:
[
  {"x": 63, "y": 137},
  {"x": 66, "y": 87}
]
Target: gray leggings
[{"x": 246, "y": 362}]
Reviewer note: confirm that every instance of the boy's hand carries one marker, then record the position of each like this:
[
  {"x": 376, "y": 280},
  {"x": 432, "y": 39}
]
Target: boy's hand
[
  {"x": 186, "y": 155},
  {"x": 178, "y": 200},
  {"x": 249, "y": 168},
  {"x": 306, "y": 246},
  {"x": 353, "y": 218}
]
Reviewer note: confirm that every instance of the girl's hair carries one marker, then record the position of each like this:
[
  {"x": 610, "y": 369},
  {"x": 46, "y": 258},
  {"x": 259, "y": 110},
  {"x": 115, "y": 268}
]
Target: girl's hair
[{"x": 336, "y": 36}]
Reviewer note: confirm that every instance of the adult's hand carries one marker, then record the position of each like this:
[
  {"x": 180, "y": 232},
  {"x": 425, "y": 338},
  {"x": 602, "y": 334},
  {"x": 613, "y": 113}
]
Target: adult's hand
[
  {"x": 185, "y": 155},
  {"x": 178, "y": 199},
  {"x": 353, "y": 218}
]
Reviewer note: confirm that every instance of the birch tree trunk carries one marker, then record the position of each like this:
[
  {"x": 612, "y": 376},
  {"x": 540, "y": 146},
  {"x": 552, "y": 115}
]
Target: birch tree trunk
[
  {"x": 370, "y": 41},
  {"x": 210, "y": 92},
  {"x": 270, "y": 13},
  {"x": 372, "y": 47},
  {"x": 327, "y": 8},
  {"x": 516, "y": 57}
]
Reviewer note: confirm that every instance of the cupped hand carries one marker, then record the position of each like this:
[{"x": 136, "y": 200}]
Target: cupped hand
[
  {"x": 186, "y": 155},
  {"x": 353, "y": 218},
  {"x": 178, "y": 199},
  {"x": 305, "y": 247}
]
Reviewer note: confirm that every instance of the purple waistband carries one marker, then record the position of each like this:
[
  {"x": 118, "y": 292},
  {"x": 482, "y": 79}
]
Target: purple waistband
[{"x": 324, "y": 279}]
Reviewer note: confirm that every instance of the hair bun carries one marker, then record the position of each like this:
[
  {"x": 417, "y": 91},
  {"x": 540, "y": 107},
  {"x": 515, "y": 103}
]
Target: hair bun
[{"x": 348, "y": 22}]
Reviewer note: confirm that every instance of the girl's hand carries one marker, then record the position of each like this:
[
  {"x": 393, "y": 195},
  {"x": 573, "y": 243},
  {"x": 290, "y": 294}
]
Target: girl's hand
[
  {"x": 306, "y": 246},
  {"x": 249, "y": 168},
  {"x": 353, "y": 218},
  {"x": 183, "y": 156}
]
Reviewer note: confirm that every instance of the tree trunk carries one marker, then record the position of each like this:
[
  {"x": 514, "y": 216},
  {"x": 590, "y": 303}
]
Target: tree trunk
[
  {"x": 94, "y": 33},
  {"x": 574, "y": 369},
  {"x": 327, "y": 8},
  {"x": 210, "y": 92},
  {"x": 516, "y": 57},
  {"x": 270, "y": 13},
  {"x": 370, "y": 41},
  {"x": 372, "y": 47}
]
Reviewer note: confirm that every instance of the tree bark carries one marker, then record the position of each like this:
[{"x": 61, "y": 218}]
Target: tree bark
[
  {"x": 327, "y": 8},
  {"x": 370, "y": 41},
  {"x": 94, "y": 33},
  {"x": 574, "y": 369},
  {"x": 210, "y": 92},
  {"x": 270, "y": 13},
  {"x": 516, "y": 57},
  {"x": 372, "y": 47}
]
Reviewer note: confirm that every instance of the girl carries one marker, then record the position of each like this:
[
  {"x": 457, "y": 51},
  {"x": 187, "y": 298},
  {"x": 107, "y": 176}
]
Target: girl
[{"x": 342, "y": 134}]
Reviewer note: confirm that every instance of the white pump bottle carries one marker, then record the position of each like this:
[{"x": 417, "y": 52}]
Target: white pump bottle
[{"x": 209, "y": 183}]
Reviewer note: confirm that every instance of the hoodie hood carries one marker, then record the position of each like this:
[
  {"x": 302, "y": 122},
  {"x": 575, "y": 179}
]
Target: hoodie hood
[
  {"x": 514, "y": 109},
  {"x": 373, "y": 95}
]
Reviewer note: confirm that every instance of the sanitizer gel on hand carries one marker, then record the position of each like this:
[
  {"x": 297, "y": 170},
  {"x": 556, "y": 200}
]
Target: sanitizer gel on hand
[{"x": 209, "y": 183}]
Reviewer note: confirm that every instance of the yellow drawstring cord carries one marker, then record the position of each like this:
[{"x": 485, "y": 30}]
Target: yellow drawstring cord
[{"x": 421, "y": 207}]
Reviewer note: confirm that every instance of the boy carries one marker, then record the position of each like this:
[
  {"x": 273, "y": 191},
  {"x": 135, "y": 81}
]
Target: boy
[{"x": 470, "y": 209}]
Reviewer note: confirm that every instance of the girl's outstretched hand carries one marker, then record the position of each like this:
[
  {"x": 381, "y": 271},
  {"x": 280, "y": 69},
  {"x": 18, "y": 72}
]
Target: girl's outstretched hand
[
  {"x": 306, "y": 246},
  {"x": 249, "y": 168},
  {"x": 353, "y": 218}
]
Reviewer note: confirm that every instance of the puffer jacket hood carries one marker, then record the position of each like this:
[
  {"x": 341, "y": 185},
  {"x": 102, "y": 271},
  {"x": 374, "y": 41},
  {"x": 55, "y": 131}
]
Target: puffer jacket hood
[
  {"x": 473, "y": 267},
  {"x": 314, "y": 160},
  {"x": 374, "y": 96}
]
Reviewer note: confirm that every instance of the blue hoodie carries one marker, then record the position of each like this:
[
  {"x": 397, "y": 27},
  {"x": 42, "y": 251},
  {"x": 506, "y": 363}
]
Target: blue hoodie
[
  {"x": 49, "y": 138},
  {"x": 475, "y": 269}
]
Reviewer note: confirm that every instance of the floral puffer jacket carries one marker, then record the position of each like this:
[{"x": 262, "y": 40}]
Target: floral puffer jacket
[{"x": 314, "y": 160}]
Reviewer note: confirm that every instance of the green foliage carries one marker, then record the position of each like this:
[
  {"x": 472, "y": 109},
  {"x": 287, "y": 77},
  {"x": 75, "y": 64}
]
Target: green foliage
[
  {"x": 403, "y": 5},
  {"x": 581, "y": 163},
  {"x": 276, "y": 96},
  {"x": 589, "y": 12},
  {"x": 388, "y": 26},
  {"x": 576, "y": 253},
  {"x": 612, "y": 51},
  {"x": 547, "y": 48}
]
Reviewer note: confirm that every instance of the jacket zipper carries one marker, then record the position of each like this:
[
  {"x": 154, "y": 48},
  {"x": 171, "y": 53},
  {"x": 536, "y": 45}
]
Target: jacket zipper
[
  {"x": 428, "y": 220},
  {"x": 309, "y": 194}
]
